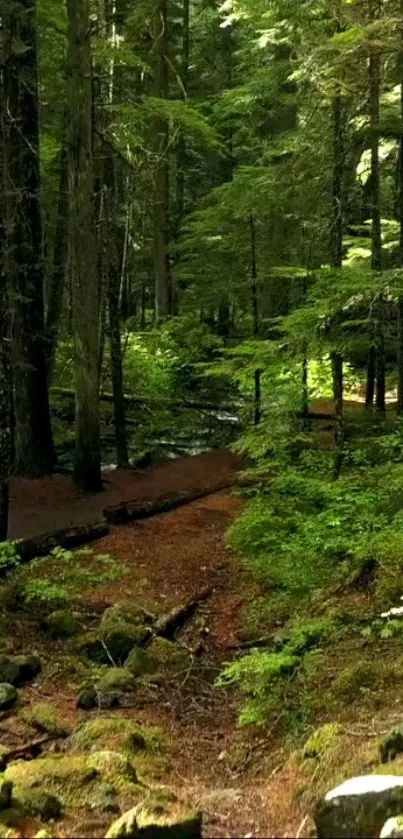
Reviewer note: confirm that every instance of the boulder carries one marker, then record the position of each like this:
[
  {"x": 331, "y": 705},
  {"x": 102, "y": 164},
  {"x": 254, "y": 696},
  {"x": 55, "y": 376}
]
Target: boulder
[
  {"x": 123, "y": 627},
  {"x": 125, "y": 827},
  {"x": 17, "y": 670},
  {"x": 37, "y": 802},
  {"x": 322, "y": 741},
  {"x": 116, "y": 679},
  {"x": 90, "y": 698},
  {"x": 105, "y": 798},
  {"x": 113, "y": 764},
  {"x": 391, "y": 744},
  {"x": 393, "y": 828},
  {"x": 6, "y": 788},
  {"x": 61, "y": 624},
  {"x": 42, "y": 718},
  {"x": 8, "y": 696},
  {"x": 359, "y": 807},
  {"x": 161, "y": 660}
]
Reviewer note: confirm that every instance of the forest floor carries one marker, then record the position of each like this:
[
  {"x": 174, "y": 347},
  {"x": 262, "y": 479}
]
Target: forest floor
[{"x": 245, "y": 781}]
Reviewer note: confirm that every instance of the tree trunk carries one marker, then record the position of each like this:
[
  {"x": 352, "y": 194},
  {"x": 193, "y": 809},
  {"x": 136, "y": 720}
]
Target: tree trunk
[
  {"x": 5, "y": 351},
  {"x": 337, "y": 263},
  {"x": 82, "y": 246},
  {"x": 374, "y": 107},
  {"x": 57, "y": 281},
  {"x": 181, "y": 156},
  {"x": 34, "y": 453},
  {"x": 161, "y": 255},
  {"x": 400, "y": 213},
  {"x": 255, "y": 305}
]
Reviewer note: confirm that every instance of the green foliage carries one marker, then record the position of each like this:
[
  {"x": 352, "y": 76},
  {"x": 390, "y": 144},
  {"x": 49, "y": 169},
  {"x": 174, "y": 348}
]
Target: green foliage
[{"x": 9, "y": 556}]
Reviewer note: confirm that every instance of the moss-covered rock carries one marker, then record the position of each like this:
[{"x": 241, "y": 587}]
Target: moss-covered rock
[
  {"x": 105, "y": 798},
  {"x": 6, "y": 788},
  {"x": 42, "y": 717},
  {"x": 144, "y": 822},
  {"x": 17, "y": 670},
  {"x": 37, "y": 802},
  {"x": 8, "y": 696},
  {"x": 393, "y": 828},
  {"x": 69, "y": 777},
  {"x": 61, "y": 624},
  {"x": 360, "y": 807},
  {"x": 116, "y": 679},
  {"x": 123, "y": 627},
  {"x": 147, "y": 746},
  {"x": 391, "y": 744},
  {"x": 353, "y": 679},
  {"x": 323, "y": 741},
  {"x": 90, "y": 698},
  {"x": 113, "y": 765},
  {"x": 139, "y": 662}
]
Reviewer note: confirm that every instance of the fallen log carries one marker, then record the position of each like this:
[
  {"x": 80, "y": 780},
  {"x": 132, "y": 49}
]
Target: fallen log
[
  {"x": 144, "y": 508},
  {"x": 28, "y": 751},
  {"x": 71, "y": 537},
  {"x": 168, "y": 624},
  {"x": 138, "y": 401}
]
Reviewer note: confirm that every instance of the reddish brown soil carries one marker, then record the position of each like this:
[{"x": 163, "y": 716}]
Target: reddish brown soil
[{"x": 41, "y": 506}]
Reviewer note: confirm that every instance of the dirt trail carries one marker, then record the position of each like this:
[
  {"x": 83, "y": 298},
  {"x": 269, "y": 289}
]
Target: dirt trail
[{"x": 54, "y": 503}]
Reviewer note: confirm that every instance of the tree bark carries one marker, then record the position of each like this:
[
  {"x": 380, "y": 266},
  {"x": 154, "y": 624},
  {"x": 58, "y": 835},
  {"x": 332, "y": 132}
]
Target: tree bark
[
  {"x": 255, "y": 305},
  {"x": 34, "y": 452},
  {"x": 161, "y": 254},
  {"x": 337, "y": 263},
  {"x": 5, "y": 350},
  {"x": 82, "y": 246},
  {"x": 400, "y": 213},
  {"x": 374, "y": 110},
  {"x": 57, "y": 282}
]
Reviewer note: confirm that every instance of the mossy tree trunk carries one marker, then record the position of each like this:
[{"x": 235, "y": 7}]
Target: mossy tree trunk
[
  {"x": 5, "y": 351},
  {"x": 161, "y": 246},
  {"x": 34, "y": 452},
  {"x": 82, "y": 246}
]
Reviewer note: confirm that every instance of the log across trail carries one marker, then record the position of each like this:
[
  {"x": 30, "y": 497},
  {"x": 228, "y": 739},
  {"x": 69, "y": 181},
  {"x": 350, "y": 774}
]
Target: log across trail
[{"x": 48, "y": 507}]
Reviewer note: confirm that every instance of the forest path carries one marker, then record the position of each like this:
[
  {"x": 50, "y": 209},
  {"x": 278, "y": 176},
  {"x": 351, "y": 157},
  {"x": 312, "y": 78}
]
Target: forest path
[
  {"x": 55, "y": 503},
  {"x": 225, "y": 771}
]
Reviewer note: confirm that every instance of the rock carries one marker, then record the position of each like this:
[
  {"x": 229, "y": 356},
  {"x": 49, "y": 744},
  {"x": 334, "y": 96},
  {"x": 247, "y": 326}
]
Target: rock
[
  {"x": 322, "y": 741},
  {"x": 139, "y": 662},
  {"x": 18, "y": 670},
  {"x": 42, "y": 718},
  {"x": 179, "y": 823},
  {"x": 144, "y": 823},
  {"x": 6, "y": 788},
  {"x": 125, "y": 827},
  {"x": 90, "y": 698},
  {"x": 112, "y": 764},
  {"x": 116, "y": 679},
  {"x": 64, "y": 775},
  {"x": 8, "y": 696},
  {"x": 360, "y": 807},
  {"x": 37, "y": 802},
  {"x": 393, "y": 828},
  {"x": 123, "y": 627},
  {"x": 161, "y": 660},
  {"x": 105, "y": 799},
  {"x": 61, "y": 624},
  {"x": 391, "y": 745}
]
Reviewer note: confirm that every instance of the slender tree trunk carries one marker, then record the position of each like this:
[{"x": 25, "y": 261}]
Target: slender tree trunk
[
  {"x": 400, "y": 212},
  {"x": 82, "y": 244},
  {"x": 256, "y": 324},
  {"x": 34, "y": 452},
  {"x": 181, "y": 155},
  {"x": 161, "y": 250},
  {"x": 116, "y": 367},
  {"x": 5, "y": 347},
  {"x": 337, "y": 263},
  {"x": 57, "y": 280},
  {"x": 374, "y": 108}
]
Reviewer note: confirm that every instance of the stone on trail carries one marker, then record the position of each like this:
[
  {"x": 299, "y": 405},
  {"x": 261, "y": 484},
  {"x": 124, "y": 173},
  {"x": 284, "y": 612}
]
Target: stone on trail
[
  {"x": 144, "y": 823},
  {"x": 6, "y": 788},
  {"x": 391, "y": 745},
  {"x": 90, "y": 699},
  {"x": 360, "y": 807},
  {"x": 8, "y": 696},
  {"x": 61, "y": 624},
  {"x": 393, "y": 828}
]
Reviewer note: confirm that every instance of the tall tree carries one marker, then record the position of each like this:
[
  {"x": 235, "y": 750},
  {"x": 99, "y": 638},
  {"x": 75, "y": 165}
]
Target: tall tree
[
  {"x": 34, "y": 453},
  {"x": 161, "y": 248},
  {"x": 5, "y": 348},
  {"x": 82, "y": 245},
  {"x": 400, "y": 214}
]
